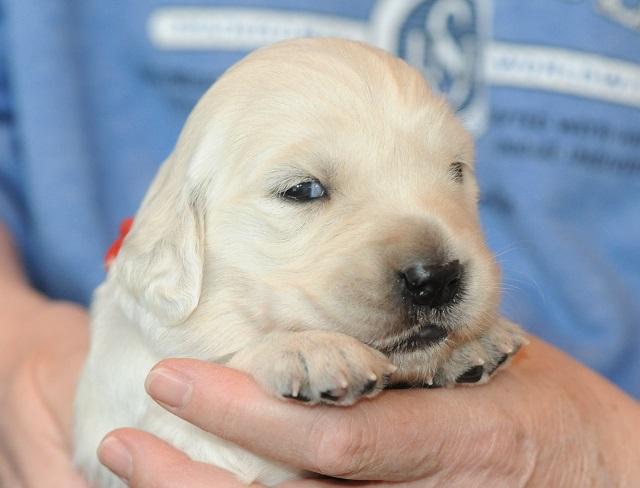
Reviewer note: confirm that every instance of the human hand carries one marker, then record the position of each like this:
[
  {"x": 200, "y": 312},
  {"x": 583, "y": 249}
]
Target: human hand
[
  {"x": 45, "y": 344},
  {"x": 545, "y": 421}
]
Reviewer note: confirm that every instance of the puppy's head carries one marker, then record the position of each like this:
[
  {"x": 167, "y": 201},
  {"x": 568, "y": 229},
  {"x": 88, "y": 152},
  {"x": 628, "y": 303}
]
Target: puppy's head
[{"x": 319, "y": 184}]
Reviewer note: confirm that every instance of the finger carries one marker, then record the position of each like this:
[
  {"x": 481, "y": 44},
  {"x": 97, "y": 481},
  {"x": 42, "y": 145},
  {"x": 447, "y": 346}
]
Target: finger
[
  {"x": 337, "y": 483},
  {"x": 399, "y": 435},
  {"x": 144, "y": 461}
]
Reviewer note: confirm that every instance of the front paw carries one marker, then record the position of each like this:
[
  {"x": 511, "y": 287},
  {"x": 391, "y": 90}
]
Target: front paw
[
  {"x": 316, "y": 367},
  {"x": 475, "y": 361}
]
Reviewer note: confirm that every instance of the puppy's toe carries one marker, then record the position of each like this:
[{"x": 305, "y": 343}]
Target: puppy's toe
[
  {"x": 474, "y": 362},
  {"x": 341, "y": 372},
  {"x": 317, "y": 367}
]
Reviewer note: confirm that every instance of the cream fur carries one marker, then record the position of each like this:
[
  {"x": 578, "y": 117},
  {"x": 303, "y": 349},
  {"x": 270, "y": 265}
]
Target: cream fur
[{"x": 217, "y": 267}]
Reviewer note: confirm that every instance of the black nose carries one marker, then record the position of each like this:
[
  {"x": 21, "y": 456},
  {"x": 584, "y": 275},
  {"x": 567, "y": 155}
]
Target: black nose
[{"x": 432, "y": 286}]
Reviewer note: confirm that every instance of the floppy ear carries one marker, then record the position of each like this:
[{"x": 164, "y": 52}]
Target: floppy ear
[{"x": 160, "y": 265}]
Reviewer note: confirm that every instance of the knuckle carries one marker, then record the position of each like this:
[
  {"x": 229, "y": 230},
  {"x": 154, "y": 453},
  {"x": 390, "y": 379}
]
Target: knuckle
[{"x": 344, "y": 444}]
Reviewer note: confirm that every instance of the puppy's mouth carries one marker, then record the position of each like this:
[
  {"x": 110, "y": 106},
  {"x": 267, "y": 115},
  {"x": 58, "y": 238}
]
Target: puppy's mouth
[
  {"x": 425, "y": 336},
  {"x": 424, "y": 326}
]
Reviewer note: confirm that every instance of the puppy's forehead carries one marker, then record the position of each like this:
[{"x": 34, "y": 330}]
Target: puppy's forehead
[
  {"x": 328, "y": 77},
  {"x": 317, "y": 95}
]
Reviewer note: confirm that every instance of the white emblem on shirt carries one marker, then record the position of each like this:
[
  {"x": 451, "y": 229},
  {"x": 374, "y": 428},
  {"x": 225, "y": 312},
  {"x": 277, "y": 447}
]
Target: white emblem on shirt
[{"x": 622, "y": 12}]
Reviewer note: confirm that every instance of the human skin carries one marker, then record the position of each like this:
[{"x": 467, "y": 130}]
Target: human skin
[
  {"x": 43, "y": 345},
  {"x": 544, "y": 421}
]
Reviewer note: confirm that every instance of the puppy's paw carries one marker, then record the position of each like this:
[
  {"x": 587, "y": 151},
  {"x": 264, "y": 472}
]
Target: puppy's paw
[
  {"x": 474, "y": 362},
  {"x": 316, "y": 367}
]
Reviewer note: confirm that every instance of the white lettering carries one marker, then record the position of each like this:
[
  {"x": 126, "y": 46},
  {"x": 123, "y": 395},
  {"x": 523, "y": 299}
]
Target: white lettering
[{"x": 565, "y": 71}]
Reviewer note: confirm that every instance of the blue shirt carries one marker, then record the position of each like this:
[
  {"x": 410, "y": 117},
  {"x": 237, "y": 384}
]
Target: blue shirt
[{"x": 94, "y": 93}]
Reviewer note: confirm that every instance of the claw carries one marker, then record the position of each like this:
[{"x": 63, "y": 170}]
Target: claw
[{"x": 295, "y": 389}]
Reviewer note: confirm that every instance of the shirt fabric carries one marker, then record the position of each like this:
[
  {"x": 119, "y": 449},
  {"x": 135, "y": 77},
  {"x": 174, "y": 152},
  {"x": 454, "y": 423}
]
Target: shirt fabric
[{"x": 93, "y": 95}]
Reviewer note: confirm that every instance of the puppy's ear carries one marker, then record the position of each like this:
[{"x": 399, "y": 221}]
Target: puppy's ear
[{"x": 160, "y": 265}]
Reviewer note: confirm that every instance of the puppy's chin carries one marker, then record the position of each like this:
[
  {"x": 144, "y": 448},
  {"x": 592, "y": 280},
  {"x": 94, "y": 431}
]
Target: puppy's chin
[
  {"x": 428, "y": 338},
  {"x": 419, "y": 328}
]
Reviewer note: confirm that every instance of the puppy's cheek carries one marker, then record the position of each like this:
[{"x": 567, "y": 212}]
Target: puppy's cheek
[{"x": 483, "y": 286}]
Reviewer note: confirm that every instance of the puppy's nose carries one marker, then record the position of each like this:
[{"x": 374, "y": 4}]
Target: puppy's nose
[{"x": 431, "y": 285}]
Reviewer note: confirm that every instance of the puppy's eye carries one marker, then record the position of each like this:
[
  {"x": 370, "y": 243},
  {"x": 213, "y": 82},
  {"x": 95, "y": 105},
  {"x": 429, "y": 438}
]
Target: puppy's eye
[
  {"x": 456, "y": 171},
  {"x": 305, "y": 191}
]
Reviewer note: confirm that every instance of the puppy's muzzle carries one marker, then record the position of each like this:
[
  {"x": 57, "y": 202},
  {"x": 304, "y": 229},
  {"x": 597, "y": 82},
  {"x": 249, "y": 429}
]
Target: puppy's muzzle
[{"x": 430, "y": 285}]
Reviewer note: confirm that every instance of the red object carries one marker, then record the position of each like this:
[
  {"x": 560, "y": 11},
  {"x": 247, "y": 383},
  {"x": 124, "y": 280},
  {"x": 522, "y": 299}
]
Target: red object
[{"x": 114, "y": 249}]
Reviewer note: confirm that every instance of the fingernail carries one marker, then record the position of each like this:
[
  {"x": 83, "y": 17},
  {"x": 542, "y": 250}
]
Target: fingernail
[
  {"x": 169, "y": 387},
  {"x": 115, "y": 456}
]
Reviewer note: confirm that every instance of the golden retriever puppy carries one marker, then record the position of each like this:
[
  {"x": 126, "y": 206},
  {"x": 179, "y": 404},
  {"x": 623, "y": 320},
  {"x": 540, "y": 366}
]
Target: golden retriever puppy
[{"x": 316, "y": 226}]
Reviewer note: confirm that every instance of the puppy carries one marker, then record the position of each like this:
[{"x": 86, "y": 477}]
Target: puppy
[{"x": 316, "y": 226}]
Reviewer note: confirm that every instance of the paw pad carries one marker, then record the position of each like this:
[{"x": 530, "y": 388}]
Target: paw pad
[
  {"x": 299, "y": 398},
  {"x": 472, "y": 375},
  {"x": 368, "y": 387},
  {"x": 334, "y": 395}
]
